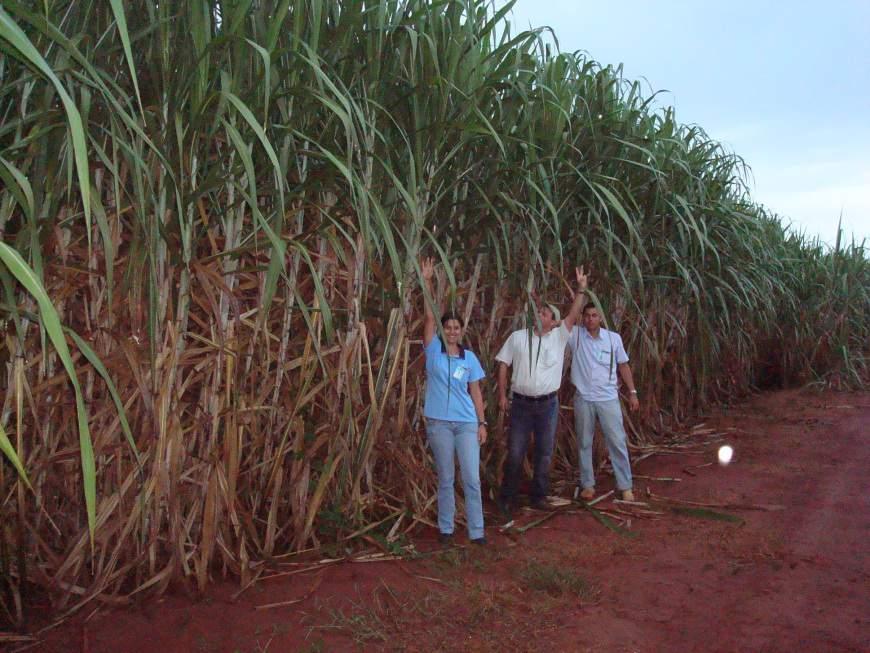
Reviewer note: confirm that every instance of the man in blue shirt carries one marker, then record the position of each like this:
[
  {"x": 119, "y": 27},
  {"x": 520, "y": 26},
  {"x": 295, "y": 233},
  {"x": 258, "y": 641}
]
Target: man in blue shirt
[{"x": 597, "y": 354}]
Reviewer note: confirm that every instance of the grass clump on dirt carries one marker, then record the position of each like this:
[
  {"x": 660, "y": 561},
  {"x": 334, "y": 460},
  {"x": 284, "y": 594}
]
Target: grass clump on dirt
[
  {"x": 361, "y": 623},
  {"x": 558, "y": 581},
  {"x": 385, "y": 615}
]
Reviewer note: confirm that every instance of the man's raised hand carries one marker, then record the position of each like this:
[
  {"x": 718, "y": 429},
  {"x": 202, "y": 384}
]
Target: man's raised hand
[{"x": 582, "y": 279}]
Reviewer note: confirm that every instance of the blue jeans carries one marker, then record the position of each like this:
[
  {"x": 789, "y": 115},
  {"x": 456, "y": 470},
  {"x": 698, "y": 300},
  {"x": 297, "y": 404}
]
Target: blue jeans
[
  {"x": 527, "y": 417},
  {"x": 609, "y": 413},
  {"x": 449, "y": 439}
]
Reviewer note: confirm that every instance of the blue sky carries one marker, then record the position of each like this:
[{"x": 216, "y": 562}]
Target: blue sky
[{"x": 784, "y": 85}]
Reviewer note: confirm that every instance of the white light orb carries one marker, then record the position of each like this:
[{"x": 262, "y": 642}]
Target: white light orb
[{"x": 725, "y": 454}]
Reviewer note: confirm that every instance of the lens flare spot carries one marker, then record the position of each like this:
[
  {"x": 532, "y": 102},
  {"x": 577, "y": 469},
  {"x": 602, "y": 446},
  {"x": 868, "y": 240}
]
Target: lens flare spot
[{"x": 725, "y": 454}]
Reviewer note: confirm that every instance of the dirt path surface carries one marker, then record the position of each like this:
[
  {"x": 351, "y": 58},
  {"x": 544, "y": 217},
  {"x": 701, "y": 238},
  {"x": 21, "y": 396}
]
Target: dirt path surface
[{"x": 791, "y": 575}]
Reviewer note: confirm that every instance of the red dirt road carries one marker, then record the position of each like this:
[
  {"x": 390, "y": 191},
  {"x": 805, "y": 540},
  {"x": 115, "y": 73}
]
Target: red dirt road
[{"x": 792, "y": 577}]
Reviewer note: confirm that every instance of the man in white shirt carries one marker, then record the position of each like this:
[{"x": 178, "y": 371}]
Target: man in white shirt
[
  {"x": 597, "y": 355},
  {"x": 536, "y": 356}
]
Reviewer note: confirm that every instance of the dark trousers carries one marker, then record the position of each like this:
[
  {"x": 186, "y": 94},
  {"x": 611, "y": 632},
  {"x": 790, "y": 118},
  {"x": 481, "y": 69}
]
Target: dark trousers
[{"x": 530, "y": 417}]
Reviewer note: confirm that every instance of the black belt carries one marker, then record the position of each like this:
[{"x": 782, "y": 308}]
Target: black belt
[{"x": 517, "y": 395}]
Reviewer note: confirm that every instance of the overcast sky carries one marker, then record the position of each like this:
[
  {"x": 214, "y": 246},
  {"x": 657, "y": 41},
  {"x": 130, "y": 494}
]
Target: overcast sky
[{"x": 786, "y": 85}]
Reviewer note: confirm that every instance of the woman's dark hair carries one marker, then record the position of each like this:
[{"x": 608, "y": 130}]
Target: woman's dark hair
[{"x": 450, "y": 315}]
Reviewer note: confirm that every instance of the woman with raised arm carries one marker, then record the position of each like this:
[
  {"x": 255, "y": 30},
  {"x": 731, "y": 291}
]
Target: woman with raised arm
[{"x": 455, "y": 422}]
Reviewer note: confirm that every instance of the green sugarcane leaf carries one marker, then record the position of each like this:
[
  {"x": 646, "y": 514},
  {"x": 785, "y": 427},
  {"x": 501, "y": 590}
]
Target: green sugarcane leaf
[
  {"x": 94, "y": 360},
  {"x": 121, "y": 22},
  {"x": 705, "y": 513},
  {"x": 607, "y": 522},
  {"x": 51, "y": 322},
  {"x": 15, "y": 37},
  {"x": 7, "y": 448}
]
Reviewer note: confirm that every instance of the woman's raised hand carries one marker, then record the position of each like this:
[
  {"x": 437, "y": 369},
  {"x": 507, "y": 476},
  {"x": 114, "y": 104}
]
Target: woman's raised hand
[{"x": 428, "y": 268}]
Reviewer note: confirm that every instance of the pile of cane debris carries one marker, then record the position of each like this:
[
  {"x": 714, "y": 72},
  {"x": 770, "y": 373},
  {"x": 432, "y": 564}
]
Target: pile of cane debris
[{"x": 618, "y": 514}]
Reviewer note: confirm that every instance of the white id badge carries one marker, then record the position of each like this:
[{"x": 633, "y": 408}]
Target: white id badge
[{"x": 460, "y": 373}]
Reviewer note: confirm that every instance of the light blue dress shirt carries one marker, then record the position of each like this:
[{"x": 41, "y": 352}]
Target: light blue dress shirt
[{"x": 594, "y": 361}]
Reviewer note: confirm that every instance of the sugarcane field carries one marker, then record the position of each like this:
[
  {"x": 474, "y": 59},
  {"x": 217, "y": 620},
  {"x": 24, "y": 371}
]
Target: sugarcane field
[{"x": 391, "y": 325}]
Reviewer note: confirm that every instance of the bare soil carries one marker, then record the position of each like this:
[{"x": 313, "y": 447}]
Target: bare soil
[{"x": 791, "y": 576}]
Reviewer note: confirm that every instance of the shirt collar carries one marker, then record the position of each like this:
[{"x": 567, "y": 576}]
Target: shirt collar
[
  {"x": 590, "y": 336},
  {"x": 444, "y": 349}
]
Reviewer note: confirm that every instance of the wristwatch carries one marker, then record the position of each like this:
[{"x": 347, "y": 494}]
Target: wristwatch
[
  {"x": 634, "y": 392},
  {"x": 483, "y": 423}
]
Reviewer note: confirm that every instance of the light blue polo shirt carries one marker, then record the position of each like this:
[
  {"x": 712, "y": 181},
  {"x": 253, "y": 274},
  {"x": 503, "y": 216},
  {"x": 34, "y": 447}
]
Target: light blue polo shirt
[
  {"x": 447, "y": 379},
  {"x": 594, "y": 361}
]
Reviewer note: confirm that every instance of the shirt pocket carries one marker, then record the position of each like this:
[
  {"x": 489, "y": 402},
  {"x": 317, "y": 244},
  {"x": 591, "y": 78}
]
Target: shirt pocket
[
  {"x": 603, "y": 356},
  {"x": 548, "y": 358}
]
